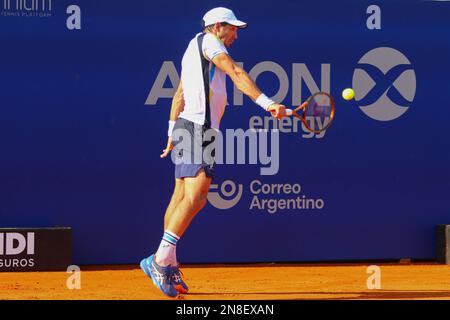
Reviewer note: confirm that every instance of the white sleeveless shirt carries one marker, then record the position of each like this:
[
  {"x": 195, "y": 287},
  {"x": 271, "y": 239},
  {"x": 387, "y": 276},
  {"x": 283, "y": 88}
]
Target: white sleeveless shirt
[{"x": 193, "y": 85}]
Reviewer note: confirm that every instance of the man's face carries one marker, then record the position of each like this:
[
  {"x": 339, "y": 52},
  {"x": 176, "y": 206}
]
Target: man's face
[{"x": 228, "y": 34}]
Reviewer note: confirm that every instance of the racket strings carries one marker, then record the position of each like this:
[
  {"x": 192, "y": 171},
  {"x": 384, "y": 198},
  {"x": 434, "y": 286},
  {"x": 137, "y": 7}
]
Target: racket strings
[{"x": 318, "y": 113}]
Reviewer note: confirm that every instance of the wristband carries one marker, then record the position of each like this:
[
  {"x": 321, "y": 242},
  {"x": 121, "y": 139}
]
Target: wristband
[
  {"x": 171, "y": 125},
  {"x": 264, "y": 102}
]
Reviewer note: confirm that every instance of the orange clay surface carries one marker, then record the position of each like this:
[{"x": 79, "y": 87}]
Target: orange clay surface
[{"x": 241, "y": 282}]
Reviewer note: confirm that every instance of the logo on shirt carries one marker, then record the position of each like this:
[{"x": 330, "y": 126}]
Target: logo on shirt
[{"x": 384, "y": 84}]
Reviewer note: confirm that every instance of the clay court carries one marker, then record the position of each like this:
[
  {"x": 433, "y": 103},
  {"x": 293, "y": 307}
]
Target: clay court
[{"x": 239, "y": 282}]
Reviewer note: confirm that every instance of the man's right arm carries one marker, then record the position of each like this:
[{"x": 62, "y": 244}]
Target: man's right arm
[
  {"x": 238, "y": 75},
  {"x": 244, "y": 83}
]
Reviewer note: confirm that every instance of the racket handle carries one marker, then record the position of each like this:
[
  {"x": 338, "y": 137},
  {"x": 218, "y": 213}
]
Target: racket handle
[{"x": 288, "y": 112}]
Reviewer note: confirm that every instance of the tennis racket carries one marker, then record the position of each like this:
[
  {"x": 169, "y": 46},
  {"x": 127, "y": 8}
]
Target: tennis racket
[{"x": 316, "y": 113}]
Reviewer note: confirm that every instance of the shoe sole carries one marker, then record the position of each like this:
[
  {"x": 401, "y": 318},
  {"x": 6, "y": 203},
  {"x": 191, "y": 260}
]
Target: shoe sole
[
  {"x": 143, "y": 266},
  {"x": 180, "y": 289}
]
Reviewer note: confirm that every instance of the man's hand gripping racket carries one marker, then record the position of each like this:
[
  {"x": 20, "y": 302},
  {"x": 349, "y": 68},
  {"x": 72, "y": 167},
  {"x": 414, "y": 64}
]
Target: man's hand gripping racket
[{"x": 316, "y": 113}]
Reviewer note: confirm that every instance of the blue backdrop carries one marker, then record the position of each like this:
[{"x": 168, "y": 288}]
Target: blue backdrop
[{"x": 81, "y": 132}]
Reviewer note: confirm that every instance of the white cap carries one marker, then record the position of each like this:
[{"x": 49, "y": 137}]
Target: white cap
[{"x": 221, "y": 14}]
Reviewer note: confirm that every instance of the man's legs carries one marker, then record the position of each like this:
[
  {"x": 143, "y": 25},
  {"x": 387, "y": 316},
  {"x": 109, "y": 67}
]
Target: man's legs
[
  {"x": 162, "y": 267},
  {"x": 194, "y": 199},
  {"x": 167, "y": 250},
  {"x": 188, "y": 199}
]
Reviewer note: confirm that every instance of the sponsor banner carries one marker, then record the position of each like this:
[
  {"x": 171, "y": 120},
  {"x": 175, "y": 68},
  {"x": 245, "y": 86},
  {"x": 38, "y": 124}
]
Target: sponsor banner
[
  {"x": 26, "y": 8},
  {"x": 269, "y": 198},
  {"x": 42, "y": 249},
  {"x": 86, "y": 96}
]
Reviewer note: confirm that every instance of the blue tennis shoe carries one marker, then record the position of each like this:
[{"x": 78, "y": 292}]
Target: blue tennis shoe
[{"x": 161, "y": 276}]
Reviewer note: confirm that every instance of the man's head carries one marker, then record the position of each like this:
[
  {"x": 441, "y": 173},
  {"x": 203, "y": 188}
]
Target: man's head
[{"x": 223, "y": 23}]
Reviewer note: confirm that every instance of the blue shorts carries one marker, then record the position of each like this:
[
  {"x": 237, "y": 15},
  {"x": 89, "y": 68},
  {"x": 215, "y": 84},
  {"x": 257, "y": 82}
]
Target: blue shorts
[{"x": 189, "y": 153}]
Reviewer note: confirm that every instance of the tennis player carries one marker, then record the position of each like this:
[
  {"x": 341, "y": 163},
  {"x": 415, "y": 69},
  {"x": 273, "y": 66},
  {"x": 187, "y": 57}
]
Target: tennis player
[{"x": 197, "y": 108}]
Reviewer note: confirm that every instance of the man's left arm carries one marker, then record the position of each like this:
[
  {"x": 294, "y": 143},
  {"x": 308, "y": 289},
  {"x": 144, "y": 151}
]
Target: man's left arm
[
  {"x": 177, "y": 103},
  {"x": 175, "y": 110}
]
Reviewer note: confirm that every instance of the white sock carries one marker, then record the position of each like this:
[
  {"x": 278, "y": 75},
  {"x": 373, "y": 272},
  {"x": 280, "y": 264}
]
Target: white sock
[{"x": 167, "y": 251}]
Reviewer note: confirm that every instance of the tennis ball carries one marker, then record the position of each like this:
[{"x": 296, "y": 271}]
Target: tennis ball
[{"x": 348, "y": 94}]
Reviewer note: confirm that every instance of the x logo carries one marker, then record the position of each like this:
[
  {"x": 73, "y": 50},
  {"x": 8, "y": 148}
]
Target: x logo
[{"x": 384, "y": 82}]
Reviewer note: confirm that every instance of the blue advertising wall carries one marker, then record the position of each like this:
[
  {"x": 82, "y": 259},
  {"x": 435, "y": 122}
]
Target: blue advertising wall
[{"x": 81, "y": 129}]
